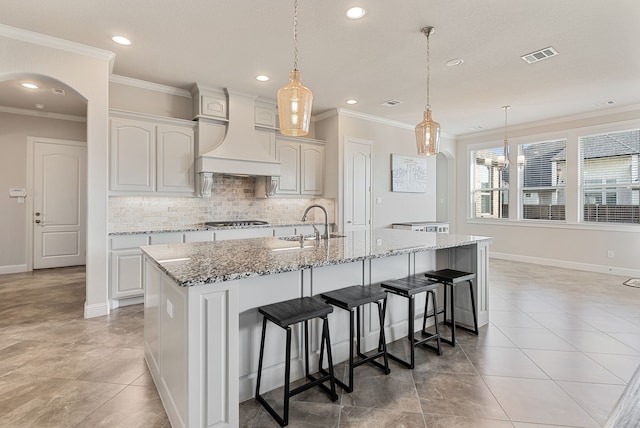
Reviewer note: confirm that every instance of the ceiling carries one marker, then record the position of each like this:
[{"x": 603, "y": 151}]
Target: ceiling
[{"x": 226, "y": 43}]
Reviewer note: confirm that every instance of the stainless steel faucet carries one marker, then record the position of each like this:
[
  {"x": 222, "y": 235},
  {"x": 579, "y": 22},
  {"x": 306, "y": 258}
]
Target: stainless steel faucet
[{"x": 326, "y": 218}]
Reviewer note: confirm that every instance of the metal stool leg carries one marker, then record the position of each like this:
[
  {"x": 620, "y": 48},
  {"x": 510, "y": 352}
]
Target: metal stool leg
[
  {"x": 332, "y": 381},
  {"x": 264, "y": 329},
  {"x": 473, "y": 308},
  {"x": 287, "y": 374}
]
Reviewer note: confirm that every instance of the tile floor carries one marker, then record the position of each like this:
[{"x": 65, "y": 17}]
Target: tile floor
[{"x": 559, "y": 349}]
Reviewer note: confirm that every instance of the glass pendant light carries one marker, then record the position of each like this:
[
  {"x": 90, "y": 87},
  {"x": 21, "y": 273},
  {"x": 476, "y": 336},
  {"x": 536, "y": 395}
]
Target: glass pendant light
[
  {"x": 294, "y": 99},
  {"x": 428, "y": 131},
  {"x": 503, "y": 161}
]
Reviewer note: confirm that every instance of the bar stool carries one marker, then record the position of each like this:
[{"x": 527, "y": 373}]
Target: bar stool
[
  {"x": 408, "y": 287},
  {"x": 284, "y": 314},
  {"x": 451, "y": 278},
  {"x": 354, "y": 297}
]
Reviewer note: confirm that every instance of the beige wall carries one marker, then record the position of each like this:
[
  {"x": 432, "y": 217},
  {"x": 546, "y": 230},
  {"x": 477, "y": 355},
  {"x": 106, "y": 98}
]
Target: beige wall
[
  {"x": 86, "y": 70},
  {"x": 14, "y": 130},
  {"x": 569, "y": 244},
  {"x": 140, "y": 100},
  {"x": 386, "y": 138}
]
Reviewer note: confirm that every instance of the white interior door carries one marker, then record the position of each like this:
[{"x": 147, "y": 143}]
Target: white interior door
[
  {"x": 59, "y": 195},
  {"x": 357, "y": 185}
]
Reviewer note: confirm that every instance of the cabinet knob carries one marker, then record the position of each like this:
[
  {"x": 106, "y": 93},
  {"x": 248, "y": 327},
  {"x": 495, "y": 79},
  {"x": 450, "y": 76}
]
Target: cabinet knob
[
  {"x": 348, "y": 221},
  {"x": 38, "y": 221}
]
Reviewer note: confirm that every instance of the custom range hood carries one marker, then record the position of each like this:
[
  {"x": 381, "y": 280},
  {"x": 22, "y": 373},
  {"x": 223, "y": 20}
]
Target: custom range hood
[{"x": 242, "y": 151}]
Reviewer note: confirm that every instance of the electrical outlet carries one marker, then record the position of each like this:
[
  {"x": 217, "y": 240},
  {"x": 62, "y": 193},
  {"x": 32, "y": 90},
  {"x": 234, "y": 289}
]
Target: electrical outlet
[
  {"x": 378, "y": 200},
  {"x": 170, "y": 308},
  {"x": 610, "y": 254},
  {"x": 379, "y": 242}
]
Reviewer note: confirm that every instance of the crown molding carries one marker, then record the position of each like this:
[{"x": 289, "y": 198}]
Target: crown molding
[
  {"x": 56, "y": 43},
  {"x": 376, "y": 119},
  {"x": 143, "y": 84},
  {"x": 371, "y": 118},
  {"x": 549, "y": 122},
  {"x": 42, "y": 114}
]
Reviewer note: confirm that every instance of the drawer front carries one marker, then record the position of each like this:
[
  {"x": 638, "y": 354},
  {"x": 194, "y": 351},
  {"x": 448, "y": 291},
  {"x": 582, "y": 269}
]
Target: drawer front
[
  {"x": 166, "y": 238},
  {"x": 129, "y": 241}
]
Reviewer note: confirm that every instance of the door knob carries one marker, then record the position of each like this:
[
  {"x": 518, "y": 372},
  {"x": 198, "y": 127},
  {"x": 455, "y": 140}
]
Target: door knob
[
  {"x": 38, "y": 221},
  {"x": 37, "y": 214}
]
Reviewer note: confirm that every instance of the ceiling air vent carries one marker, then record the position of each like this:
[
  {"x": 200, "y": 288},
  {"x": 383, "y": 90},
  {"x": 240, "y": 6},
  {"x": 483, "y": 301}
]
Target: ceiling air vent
[
  {"x": 391, "y": 103},
  {"x": 58, "y": 91},
  {"x": 539, "y": 55}
]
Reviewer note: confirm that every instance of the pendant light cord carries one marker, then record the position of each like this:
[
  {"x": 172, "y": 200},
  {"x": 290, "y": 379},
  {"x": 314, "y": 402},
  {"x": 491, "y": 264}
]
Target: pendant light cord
[
  {"x": 428, "y": 106},
  {"x": 506, "y": 109},
  {"x": 295, "y": 34}
]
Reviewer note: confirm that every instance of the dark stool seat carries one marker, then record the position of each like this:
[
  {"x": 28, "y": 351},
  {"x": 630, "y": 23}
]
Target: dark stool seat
[
  {"x": 409, "y": 287},
  {"x": 451, "y": 278},
  {"x": 350, "y": 298},
  {"x": 284, "y": 314}
]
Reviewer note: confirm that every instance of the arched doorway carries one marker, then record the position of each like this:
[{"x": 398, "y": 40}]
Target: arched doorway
[{"x": 87, "y": 71}]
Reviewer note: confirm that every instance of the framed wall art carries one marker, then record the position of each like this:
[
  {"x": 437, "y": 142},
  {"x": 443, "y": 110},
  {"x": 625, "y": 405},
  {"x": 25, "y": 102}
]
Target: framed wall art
[{"x": 408, "y": 173}]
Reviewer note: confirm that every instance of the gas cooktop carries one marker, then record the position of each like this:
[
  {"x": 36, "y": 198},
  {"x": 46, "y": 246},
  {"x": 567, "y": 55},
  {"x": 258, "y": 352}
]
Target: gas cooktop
[{"x": 235, "y": 223}]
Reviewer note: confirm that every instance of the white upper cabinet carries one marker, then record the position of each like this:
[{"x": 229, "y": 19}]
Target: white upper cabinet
[
  {"x": 147, "y": 155},
  {"x": 311, "y": 169},
  {"x": 302, "y": 166},
  {"x": 175, "y": 156},
  {"x": 132, "y": 156},
  {"x": 288, "y": 153}
]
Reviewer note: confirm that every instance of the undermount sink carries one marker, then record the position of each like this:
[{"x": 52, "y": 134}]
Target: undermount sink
[
  {"x": 307, "y": 237},
  {"x": 297, "y": 237}
]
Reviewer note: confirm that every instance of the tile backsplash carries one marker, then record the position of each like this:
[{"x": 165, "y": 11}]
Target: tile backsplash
[{"x": 232, "y": 198}]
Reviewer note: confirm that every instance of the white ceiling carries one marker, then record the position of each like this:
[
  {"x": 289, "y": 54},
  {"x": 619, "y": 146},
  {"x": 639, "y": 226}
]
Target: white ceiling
[{"x": 226, "y": 43}]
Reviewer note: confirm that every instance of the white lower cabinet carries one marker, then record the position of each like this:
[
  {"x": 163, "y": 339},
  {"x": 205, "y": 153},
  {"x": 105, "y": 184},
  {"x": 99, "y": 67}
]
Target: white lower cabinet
[{"x": 126, "y": 273}]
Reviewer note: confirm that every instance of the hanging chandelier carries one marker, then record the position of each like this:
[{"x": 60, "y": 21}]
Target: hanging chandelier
[
  {"x": 294, "y": 99},
  {"x": 428, "y": 131}
]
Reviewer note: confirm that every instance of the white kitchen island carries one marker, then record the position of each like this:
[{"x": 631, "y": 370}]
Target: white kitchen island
[{"x": 201, "y": 324}]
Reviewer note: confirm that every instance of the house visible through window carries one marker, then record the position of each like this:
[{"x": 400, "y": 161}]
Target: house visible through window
[
  {"x": 611, "y": 177},
  {"x": 544, "y": 176},
  {"x": 490, "y": 191}
]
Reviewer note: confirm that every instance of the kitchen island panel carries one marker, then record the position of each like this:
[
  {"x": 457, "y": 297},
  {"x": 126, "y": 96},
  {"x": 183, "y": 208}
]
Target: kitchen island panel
[
  {"x": 213, "y": 338},
  {"x": 193, "y": 358}
]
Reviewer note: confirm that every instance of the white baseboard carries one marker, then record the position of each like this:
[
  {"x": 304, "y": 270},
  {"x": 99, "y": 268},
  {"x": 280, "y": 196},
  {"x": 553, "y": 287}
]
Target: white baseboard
[
  {"x": 92, "y": 311},
  {"x": 13, "y": 269},
  {"x": 567, "y": 264},
  {"x": 116, "y": 303}
]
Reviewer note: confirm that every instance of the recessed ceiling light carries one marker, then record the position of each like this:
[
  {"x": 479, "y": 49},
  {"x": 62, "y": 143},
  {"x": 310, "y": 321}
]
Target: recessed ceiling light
[
  {"x": 262, "y": 78},
  {"x": 121, "y": 40},
  {"x": 30, "y": 85},
  {"x": 352, "y": 101},
  {"x": 356, "y": 13},
  {"x": 455, "y": 62}
]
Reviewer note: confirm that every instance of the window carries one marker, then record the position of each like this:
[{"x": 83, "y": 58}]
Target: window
[
  {"x": 611, "y": 177},
  {"x": 490, "y": 188},
  {"x": 543, "y": 180}
]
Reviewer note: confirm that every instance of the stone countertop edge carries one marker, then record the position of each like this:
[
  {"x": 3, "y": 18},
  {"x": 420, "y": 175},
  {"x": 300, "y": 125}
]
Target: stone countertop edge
[
  {"x": 201, "y": 263},
  {"x": 201, "y": 227}
]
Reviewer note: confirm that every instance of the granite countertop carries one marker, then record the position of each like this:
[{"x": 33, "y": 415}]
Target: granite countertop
[
  {"x": 198, "y": 227},
  {"x": 209, "y": 262}
]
